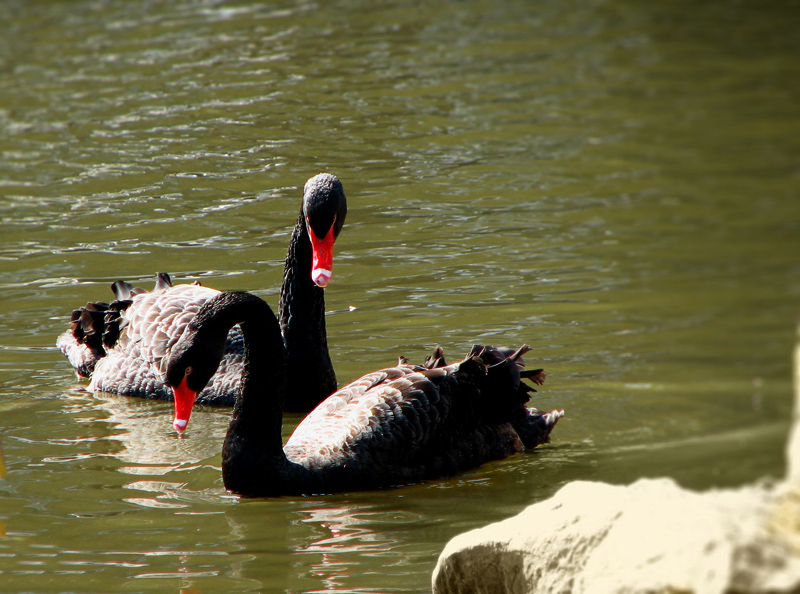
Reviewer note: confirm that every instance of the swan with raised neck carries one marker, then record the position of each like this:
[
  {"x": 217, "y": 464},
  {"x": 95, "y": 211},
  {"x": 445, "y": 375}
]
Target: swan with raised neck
[{"x": 123, "y": 346}]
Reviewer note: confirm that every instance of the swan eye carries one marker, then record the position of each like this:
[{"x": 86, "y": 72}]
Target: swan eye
[{"x": 188, "y": 371}]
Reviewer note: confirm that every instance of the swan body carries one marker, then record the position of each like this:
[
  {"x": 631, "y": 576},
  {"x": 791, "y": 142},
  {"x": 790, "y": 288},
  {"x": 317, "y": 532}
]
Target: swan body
[
  {"x": 151, "y": 323},
  {"x": 122, "y": 346},
  {"x": 394, "y": 426}
]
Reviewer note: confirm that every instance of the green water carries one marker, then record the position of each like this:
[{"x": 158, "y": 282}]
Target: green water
[{"x": 615, "y": 183}]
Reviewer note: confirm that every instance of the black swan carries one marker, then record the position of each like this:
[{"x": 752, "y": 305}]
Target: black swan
[
  {"x": 123, "y": 346},
  {"x": 391, "y": 427}
]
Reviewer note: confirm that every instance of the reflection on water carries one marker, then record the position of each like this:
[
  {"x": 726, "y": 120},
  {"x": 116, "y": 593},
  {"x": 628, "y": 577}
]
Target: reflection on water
[
  {"x": 350, "y": 532},
  {"x": 348, "y": 529},
  {"x": 333, "y": 534},
  {"x": 144, "y": 433},
  {"x": 326, "y": 541},
  {"x": 614, "y": 184}
]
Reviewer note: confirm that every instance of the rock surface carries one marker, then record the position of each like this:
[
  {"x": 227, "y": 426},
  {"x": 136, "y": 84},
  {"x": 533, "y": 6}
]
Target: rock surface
[{"x": 652, "y": 536}]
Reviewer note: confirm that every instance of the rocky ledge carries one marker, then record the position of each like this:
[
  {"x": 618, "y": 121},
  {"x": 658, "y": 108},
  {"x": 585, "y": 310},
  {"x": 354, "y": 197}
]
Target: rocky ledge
[{"x": 649, "y": 537}]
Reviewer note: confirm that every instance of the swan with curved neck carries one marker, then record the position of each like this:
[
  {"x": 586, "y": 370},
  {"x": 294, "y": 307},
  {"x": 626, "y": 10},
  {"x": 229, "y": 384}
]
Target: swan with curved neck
[
  {"x": 391, "y": 427},
  {"x": 123, "y": 346}
]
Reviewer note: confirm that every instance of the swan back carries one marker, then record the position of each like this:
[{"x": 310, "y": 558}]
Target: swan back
[{"x": 414, "y": 422}]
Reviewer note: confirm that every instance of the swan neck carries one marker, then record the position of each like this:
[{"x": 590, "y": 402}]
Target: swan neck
[
  {"x": 298, "y": 289},
  {"x": 310, "y": 373},
  {"x": 257, "y": 412}
]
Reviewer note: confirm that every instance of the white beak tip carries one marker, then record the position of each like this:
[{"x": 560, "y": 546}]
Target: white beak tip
[
  {"x": 321, "y": 277},
  {"x": 180, "y": 425}
]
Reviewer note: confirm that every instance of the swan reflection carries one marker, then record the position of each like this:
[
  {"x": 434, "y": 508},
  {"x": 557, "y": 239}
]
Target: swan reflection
[
  {"x": 351, "y": 528},
  {"x": 180, "y": 477},
  {"x": 143, "y": 431},
  {"x": 328, "y": 536}
]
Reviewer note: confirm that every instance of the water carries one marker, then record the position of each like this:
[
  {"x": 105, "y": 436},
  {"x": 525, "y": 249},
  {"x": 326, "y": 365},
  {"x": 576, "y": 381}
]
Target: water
[{"x": 615, "y": 184}]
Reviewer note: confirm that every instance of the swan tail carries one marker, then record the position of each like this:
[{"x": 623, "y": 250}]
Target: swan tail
[
  {"x": 537, "y": 376},
  {"x": 83, "y": 342},
  {"x": 534, "y": 426},
  {"x": 96, "y": 327},
  {"x": 505, "y": 394}
]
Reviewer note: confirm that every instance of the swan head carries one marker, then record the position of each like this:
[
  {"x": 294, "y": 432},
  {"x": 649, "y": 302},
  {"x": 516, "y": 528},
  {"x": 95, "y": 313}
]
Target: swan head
[
  {"x": 192, "y": 362},
  {"x": 324, "y": 209}
]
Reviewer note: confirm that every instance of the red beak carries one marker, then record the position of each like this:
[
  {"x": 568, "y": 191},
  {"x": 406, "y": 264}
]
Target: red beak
[
  {"x": 184, "y": 401},
  {"x": 322, "y": 258}
]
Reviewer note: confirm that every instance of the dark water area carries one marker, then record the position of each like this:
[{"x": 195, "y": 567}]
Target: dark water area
[{"x": 616, "y": 184}]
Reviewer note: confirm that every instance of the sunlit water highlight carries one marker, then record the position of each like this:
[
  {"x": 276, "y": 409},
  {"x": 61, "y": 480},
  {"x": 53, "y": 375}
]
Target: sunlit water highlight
[{"x": 614, "y": 184}]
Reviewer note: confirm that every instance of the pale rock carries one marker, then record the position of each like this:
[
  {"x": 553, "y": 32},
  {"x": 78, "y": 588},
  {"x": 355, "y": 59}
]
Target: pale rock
[{"x": 650, "y": 537}]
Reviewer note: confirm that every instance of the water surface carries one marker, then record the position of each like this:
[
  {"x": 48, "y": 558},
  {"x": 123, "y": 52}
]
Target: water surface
[{"x": 614, "y": 184}]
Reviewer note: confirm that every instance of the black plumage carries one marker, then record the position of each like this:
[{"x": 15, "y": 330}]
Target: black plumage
[
  {"x": 390, "y": 427},
  {"x": 121, "y": 346}
]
